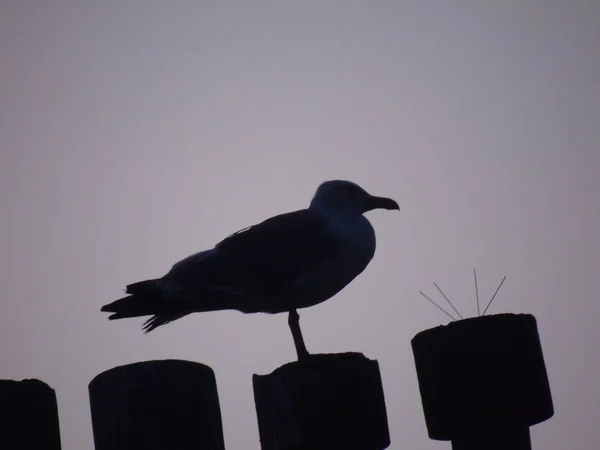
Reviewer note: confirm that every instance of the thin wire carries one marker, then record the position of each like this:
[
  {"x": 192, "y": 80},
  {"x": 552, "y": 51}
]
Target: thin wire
[
  {"x": 486, "y": 308},
  {"x": 476, "y": 291},
  {"x": 449, "y": 302},
  {"x": 439, "y": 307}
]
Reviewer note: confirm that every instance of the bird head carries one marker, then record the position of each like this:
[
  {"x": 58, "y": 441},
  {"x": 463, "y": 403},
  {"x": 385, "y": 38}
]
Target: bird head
[{"x": 349, "y": 197}]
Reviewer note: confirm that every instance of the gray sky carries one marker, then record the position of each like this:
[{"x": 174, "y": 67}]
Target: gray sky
[{"x": 135, "y": 133}]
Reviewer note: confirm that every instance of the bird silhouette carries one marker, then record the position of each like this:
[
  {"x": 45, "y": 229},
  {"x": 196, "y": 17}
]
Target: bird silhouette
[{"x": 290, "y": 261}]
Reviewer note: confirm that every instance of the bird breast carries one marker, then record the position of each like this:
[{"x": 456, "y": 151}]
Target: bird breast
[{"x": 357, "y": 247}]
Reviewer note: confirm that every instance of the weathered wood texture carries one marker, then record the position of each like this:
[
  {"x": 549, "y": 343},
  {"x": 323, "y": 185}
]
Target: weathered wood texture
[
  {"x": 483, "y": 381},
  {"x": 156, "y": 405},
  {"x": 323, "y": 402},
  {"x": 28, "y": 416}
]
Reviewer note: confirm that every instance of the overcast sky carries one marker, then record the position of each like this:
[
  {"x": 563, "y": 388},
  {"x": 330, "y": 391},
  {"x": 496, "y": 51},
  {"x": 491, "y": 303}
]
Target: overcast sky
[{"x": 133, "y": 133}]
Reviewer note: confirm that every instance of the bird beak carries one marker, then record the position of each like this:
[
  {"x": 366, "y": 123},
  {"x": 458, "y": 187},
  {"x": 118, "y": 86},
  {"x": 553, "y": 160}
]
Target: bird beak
[{"x": 381, "y": 203}]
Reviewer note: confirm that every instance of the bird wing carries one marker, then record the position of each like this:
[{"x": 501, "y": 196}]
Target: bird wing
[{"x": 263, "y": 259}]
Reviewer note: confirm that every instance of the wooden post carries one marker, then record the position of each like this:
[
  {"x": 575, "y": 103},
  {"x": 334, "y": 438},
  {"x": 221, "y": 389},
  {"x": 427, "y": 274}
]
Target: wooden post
[
  {"x": 28, "y": 416},
  {"x": 483, "y": 381},
  {"x": 156, "y": 405},
  {"x": 322, "y": 402}
]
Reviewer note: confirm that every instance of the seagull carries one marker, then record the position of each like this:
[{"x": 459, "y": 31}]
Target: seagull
[{"x": 288, "y": 262}]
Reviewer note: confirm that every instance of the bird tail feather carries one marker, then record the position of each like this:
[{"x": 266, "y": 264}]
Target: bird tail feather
[
  {"x": 146, "y": 299},
  {"x": 141, "y": 287},
  {"x": 160, "y": 319}
]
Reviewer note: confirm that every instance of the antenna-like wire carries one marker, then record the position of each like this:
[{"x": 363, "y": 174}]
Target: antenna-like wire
[
  {"x": 476, "y": 291},
  {"x": 449, "y": 302},
  {"x": 486, "y": 308},
  {"x": 438, "y": 306}
]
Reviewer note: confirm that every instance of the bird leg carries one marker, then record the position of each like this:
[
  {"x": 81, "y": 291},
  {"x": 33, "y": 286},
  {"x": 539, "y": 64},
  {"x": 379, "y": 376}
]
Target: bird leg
[{"x": 294, "y": 323}]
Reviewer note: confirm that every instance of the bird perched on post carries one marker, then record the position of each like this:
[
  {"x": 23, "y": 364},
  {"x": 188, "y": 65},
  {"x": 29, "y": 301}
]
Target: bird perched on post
[{"x": 290, "y": 261}]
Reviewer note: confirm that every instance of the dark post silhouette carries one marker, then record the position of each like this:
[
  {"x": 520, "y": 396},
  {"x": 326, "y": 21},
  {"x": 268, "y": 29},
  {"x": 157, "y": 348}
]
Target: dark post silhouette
[
  {"x": 483, "y": 381},
  {"x": 28, "y": 415},
  {"x": 156, "y": 405},
  {"x": 322, "y": 402}
]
